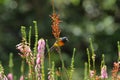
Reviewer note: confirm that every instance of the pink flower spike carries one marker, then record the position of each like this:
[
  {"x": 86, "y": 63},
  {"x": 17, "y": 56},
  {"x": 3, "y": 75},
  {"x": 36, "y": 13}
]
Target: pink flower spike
[
  {"x": 104, "y": 74},
  {"x": 22, "y": 77},
  {"x": 39, "y": 55},
  {"x": 38, "y": 61},
  {"x": 92, "y": 73},
  {"x": 41, "y": 46},
  {"x": 10, "y": 76},
  {"x": 23, "y": 48},
  {"x": 41, "y": 42},
  {"x": 3, "y": 77}
]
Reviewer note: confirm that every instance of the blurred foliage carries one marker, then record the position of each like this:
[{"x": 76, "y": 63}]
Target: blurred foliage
[{"x": 81, "y": 20}]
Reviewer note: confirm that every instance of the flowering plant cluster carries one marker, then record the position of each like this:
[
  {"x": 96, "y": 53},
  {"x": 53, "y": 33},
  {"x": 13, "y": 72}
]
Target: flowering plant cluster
[{"x": 35, "y": 59}]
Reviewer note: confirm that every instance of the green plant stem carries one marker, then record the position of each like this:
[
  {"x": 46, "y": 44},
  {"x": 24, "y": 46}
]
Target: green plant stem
[
  {"x": 22, "y": 67},
  {"x": 36, "y": 38},
  {"x": 53, "y": 6},
  {"x": 85, "y": 71},
  {"x": 29, "y": 37},
  {"x": 63, "y": 67},
  {"x": 42, "y": 68},
  {"x": 48, "y": 52},
  {"x": 59, "y": 51},
  {"x": 23, "y": 32},
  {"x": 53, "y": 70},
  {"x": 118, "y": 45},
  {"x": 31, "y": 74},
  {"x": 72, "y": 64},
  {"x": 93, "y": 54},
  {"x": 88, "y": 54},
  {"x": 11, "y": 63},
  {"x": 103, "y": 61}
]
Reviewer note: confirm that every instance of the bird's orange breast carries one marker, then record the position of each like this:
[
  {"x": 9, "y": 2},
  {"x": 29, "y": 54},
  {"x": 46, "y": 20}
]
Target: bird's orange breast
[{"x": 59, "y": 43}]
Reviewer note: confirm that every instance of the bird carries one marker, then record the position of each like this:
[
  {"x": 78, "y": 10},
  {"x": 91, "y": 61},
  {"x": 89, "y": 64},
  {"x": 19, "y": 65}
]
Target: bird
[{"x": 59, "y": 43}]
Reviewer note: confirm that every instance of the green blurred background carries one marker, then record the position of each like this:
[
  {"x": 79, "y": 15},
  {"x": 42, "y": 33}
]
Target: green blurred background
[{"x": 81, "y": 20}]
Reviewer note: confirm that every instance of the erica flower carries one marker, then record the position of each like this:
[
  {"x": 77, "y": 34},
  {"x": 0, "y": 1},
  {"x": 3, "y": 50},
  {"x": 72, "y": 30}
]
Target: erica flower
[
  {"x": 10, "y": 76},
  {"x": 22, "y": 77},
  {"x": 104, "y": 74},
  {"x": 92, "y": 73},
  {"x": 24, "y": 48},
  {"x": 50, "y": 77},
  {"x": 41, "y": 46},
  {"x": 39, "y": 58},
  {"x": 2, "y": 76}
]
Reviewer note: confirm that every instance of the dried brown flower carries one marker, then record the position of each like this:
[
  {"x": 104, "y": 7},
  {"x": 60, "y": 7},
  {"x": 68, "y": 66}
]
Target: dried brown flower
[
  {"x": 55, "y": 25},
  {"x": 115, "y": 71},
  {"x": 97, "y": 78}
]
